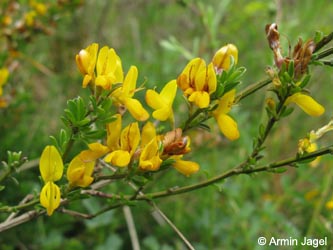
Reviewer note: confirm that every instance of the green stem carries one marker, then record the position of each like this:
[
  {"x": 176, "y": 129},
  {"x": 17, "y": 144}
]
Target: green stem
[
  {"x": 8, "y": 209},
  {"x": 236, "y": 171},
  {"x": 4, "y": 174},
  {"x": 68, "y": 148},
  {"x": 251, "y": 89},
  {"x": 324, "y": 54},
  {"x": 325, "y": 40}
]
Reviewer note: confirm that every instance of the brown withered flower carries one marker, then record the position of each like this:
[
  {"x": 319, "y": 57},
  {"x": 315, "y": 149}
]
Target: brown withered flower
[
  {"x": 301, "y": 54},
  {"x": 273, "y": 37},
  {"x": 174, "y": 143}
]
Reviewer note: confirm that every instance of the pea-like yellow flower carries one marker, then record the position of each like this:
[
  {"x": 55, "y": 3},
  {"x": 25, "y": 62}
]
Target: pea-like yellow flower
[
  {"x": 4, "y": 73},
  {"x": 86, "y": 62},
  {"x": 51, "y": 168},
  {"x": 185, "y": 167},
  {"x": 162, "y": 102},
  {"x": 221, "y": 59},
  {"x": 81, "y": 167},
  {"x": 124, "y": 94},
  {"x": 198, "y": 81},
  {"x": 306, "y": 103},
  {"x": 150, "y": 155},
  {"x": 148, "y": 133},
  {"x": 109, "y": 68},
  {"x": 122, "y": 145},
  {"x": 226, "y": 124}
]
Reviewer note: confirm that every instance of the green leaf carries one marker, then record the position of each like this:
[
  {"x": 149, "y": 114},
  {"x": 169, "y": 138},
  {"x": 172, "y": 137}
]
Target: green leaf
[
  {"x": 305, "y": 81},
  {"x": 287, "y": 111},
  {"x": 291, "y": 68},
  {"x": 262, "y": 130},
  {"x": 2, "y": 188},
  {"x": 318, "y": 36},
  {"x": 139, "y": 180}
]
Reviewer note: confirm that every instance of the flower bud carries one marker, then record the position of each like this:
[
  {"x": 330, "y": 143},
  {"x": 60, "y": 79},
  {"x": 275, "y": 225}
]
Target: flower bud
[
  {"x": 221, "y": 59},
  {"x": 270, "y": 103},
  {"x": 83, "y": 60}
]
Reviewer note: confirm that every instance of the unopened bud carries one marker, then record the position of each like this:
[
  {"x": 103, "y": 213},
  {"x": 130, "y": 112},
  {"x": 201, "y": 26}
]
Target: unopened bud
[
  {"x": 221, "y": 59},
  {"x": 270, "y": 103}
]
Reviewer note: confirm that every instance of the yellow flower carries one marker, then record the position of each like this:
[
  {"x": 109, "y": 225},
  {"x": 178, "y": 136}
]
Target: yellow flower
[
  {"x": 149, "y": 157},
  {"x": 29, "y": 18},
  {"x": 226, "y": 124},
  {"x": 50, "y": 165},
  {"x": 51, "y": 168},
  {"x": 329, "y": 205},
  {"x": 109, "y": 68},
  {"x": 185, "y": 167},
  {"x": 124, "y": 94},
  {"x": 95, "y": 151},
  {"x": 221, "y": 59},
  {"x": 50, "y": 197},
  {"x": 86, "y": 62},
  {"x": 122, "y": 145},
  {"x": 162, "y": 103},
  {"x": 4, "y": 73},
  {"x": 148, "y": 133},
  {"x": 198, "y": 82},
  {"x": 79, "y": 172},
  {"x": 81, "y": 167},
  {"x": 306, "y": 103}
]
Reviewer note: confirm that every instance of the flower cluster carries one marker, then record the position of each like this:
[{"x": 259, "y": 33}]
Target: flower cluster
[
  {"x": 200, "y": 82},
  {"x": 290, "y": 79},
  {"x": 138, "y": 147}
]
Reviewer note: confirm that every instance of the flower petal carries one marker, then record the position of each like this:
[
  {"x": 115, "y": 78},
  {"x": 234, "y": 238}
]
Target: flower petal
[
  {"x": 95, "y": 151},
  {"x": 130, "y": 138},
  {"x": 168, "y": 92},
  {"x": 306, "y": 103},
  {"x": 113, "y": 130},
  {"x": 136, "y": 109},
  {"x": 148, "y": 133},
  {"x": 79, "y": 172},
  {"x": 50, "y": 165},
  {"x": 221, "y": 59},
  {"x": 228, "y": 126},
  {"x": 119, "y": 158},
  {"x": 50, "y": 197},
  {"x": 200, "y": 98},
  {"x": 149, "y": 158},
  {"x": 186, "y": 167},
  {"x": 129, "y": 84},
  {"x": 153, "y": 99}
]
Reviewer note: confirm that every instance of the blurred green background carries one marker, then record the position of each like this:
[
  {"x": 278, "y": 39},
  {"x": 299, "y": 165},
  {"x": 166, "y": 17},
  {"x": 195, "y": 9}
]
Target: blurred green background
[{"x": 159, "y": 37}]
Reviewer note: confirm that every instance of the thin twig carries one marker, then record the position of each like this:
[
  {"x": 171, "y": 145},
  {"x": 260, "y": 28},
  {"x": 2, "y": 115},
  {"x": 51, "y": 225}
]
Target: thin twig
[
  {"x": 131, "y": 228},
  {"x": 236, "y": 171},
  {"x": 20, "y": 220},
  {"x": 25, "y": 200},
  {"x": 325, "y": 40}
]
